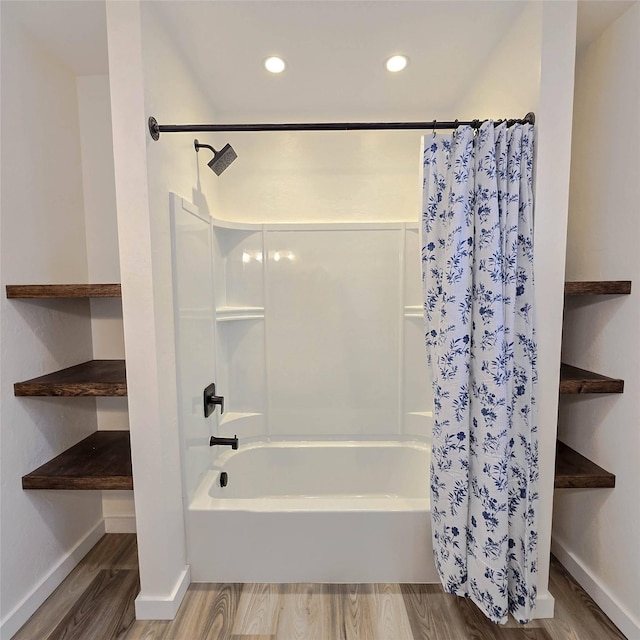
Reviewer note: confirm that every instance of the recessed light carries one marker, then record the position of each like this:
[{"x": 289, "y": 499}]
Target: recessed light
[
  {"x": 396, "y": 63},
  {"x": 275, "y": 64}
]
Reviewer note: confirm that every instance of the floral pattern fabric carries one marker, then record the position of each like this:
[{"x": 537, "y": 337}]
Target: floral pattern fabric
[{"x": 477, "y": 273}]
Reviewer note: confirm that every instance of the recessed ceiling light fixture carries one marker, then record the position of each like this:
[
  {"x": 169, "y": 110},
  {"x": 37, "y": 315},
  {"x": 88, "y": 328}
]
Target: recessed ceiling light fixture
[
  {"x": 274, "y": 64},
  {"x": 396, "y": 63}
]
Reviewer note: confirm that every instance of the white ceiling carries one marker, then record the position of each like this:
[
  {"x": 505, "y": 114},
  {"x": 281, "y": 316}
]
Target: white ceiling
[
  {"x": 73, "y": 30},
  {"x": 594, "y": 16},
  {"x": 335, "y": 49},
  {"x": 335, "y": 52}
]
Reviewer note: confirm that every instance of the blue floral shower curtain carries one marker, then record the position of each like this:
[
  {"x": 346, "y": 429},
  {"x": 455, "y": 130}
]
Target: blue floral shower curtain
[{"x": 477, "y": 268}]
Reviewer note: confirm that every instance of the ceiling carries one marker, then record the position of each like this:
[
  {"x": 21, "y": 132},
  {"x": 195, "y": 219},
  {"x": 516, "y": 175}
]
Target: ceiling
[
  {"x": 594, "y": 16},
  {"x": 335, "y": 52},
  {"x": 74, "y": 31},
  {"x": 335, "y": 49}
]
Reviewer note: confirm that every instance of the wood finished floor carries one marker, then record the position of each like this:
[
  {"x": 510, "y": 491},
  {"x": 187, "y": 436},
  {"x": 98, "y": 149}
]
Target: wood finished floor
[{"x": 96, "y": 603}]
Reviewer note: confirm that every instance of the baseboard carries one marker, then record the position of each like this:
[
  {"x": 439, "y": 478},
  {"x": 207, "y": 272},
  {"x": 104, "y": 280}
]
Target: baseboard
[
  {"x": 623, "y": 619},
  {"x": 545, "y": 605},
  {"x": 12, "y": 622},
  {"x": 120, "y": 524},
  {"x": 157, "y": 608}
]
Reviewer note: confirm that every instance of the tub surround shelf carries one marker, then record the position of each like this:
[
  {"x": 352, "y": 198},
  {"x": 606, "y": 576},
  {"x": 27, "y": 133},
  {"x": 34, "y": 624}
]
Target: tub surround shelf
[
  {"x": 597, "y": 288},
  {"x": 414, "y": 311},
  {"x": 93, "y": 378},
  {"x": 231, "y": 416},
  {"x": 227, "y": 314},
  {"x": 101, "y": 461},
  {"x": 64, "y": 291},
  {"x": 575, "y": 380},
  {"x": 574, "y": 471}
]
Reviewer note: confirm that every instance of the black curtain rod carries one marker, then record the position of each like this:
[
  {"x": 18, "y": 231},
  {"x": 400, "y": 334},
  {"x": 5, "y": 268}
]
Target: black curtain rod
[{"x": 156, "y": 129}]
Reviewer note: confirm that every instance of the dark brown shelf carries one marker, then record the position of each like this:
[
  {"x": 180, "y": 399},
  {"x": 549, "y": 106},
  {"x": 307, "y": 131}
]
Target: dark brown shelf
[
  {"x": 101, "y": 461},
  {"x": 574, "y": 471},
  {"x": 64, "y": 291},
  {"x": 93, "y": 378},
  {"x": 597, "y": 288},
  {"x": 574, "y": 380}
]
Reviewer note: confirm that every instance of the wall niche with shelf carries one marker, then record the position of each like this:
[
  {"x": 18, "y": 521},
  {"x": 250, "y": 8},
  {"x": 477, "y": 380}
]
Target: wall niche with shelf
[
  {"x": 573, "y": 470},
  {"x": 101, "y": 461}
]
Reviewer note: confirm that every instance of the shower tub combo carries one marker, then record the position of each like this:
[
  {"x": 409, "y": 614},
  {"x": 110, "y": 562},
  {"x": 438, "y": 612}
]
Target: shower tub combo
[{"x": 316, "y": 343}]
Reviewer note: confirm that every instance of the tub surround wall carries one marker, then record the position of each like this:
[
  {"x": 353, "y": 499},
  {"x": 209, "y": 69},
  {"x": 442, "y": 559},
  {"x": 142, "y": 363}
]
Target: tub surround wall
[
  {"x": 595, "y": 533},
  {"x": 195, "y": 321},
  {"x": 345, "y": 362}
]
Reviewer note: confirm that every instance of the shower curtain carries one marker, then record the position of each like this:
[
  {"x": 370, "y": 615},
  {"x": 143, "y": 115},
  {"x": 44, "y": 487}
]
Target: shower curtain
[{"x": 477, "y": 272}]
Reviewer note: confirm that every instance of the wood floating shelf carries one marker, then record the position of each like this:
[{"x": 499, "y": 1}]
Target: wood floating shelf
[
  {"x": 574, "y": 380},
  {"x": 93, "y": 378},
  {"x": 101, "y": 461},
  {"x": 64, "y": 291},
  {"x": 598, "y": 288},
  {"x": 574, "y": 471}
]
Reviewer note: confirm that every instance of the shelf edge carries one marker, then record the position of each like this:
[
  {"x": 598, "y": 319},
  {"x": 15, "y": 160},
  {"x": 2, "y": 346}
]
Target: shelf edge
[
  {"x": 103, "y": 450},
  {"x": 597, "y": 287},
  {"x": 579, "y": 472},
  {"x": 584, "y": 381}
]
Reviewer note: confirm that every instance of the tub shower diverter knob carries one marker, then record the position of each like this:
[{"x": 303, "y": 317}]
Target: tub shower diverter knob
[{"x": 211, "y": 400}]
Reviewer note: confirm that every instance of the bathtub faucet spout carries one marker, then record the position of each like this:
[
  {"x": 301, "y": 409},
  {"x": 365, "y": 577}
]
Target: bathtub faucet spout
[{"x": 230, "y": 442}]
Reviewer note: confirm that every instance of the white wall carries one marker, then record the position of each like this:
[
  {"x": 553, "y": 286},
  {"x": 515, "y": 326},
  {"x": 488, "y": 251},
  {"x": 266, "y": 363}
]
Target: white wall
[
  {"x": 94, "y": 107},
  {"x": 551, "y": 195},
  {"x": 596, "y": 531},
  {"x": 148, "y": 77},
  {"x": 532, "y": 70},
  {"x": 43, "y": 241},
  {"x": 508, "y": 85},
  {"x": 319, "y": 176}
]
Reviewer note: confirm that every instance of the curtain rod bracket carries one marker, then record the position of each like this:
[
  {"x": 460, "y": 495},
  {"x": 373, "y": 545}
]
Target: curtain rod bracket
[{"x": 154, "y": 128}]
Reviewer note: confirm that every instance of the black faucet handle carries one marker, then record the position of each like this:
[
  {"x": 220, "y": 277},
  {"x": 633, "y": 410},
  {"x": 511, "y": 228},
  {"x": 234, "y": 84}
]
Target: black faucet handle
[{"x": 211, "y": 400}]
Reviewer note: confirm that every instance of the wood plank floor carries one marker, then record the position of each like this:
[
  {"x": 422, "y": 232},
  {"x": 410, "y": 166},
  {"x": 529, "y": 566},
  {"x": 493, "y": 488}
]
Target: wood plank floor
[{"x": 96, "y": 603}]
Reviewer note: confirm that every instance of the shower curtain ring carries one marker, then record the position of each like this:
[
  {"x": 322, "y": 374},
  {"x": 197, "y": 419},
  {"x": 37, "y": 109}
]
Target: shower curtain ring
[{"x": 434, "y": 128}]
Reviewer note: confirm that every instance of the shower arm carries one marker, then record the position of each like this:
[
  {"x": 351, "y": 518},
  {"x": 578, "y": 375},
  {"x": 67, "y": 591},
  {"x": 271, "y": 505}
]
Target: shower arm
[
  {"x": 156, "y": 129},
  {"x": 199, "y": 145}
]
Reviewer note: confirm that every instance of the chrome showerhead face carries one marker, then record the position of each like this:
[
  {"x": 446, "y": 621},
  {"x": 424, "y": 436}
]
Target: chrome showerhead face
[{"x": 222, "y": 159}]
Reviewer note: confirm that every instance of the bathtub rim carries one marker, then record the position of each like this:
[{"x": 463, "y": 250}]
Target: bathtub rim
[{"x": 203, "y": 501}]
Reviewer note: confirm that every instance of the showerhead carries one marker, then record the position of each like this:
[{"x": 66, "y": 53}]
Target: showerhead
[{"x": 221, "y": 159}]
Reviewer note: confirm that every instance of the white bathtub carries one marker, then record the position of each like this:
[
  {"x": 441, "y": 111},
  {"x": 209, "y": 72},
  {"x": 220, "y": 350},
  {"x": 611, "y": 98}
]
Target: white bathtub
[{"x": 314, "y": 512}]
